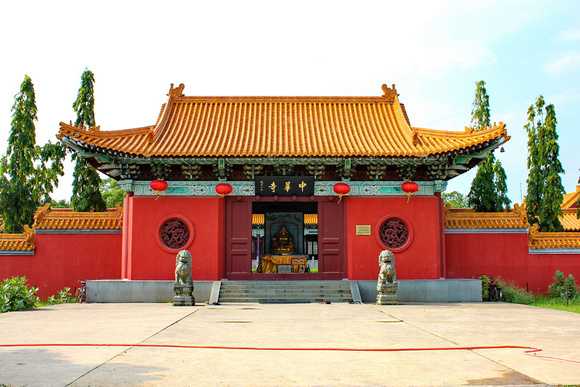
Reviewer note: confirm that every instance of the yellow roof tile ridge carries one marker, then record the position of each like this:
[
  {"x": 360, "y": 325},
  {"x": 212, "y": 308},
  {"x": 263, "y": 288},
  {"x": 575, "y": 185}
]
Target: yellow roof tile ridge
[
  {"x": 410, "y": 138},
  {"x": 18, "y": 242},
  {"x": 64, "y": 218},
  {"x": 493, "y": 131},
  {"x": 174, "y": 94},
  {"x": 283, "y": 99},
  {"x": 552, "y": 240},
  {"x": 76, "y": 131},
  {"x": 468, "y": 218}
]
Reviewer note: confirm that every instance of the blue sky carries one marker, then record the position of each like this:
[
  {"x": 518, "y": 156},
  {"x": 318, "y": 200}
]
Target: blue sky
[{"x": 433, "y": 51}]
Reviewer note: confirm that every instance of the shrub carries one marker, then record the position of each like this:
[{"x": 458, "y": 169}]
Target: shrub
[
  {"x": 63, "y": 296},
  {"x": 16, "y": 295},
  {"x": 563, "y": 286},
  {"x": 514, "y": 294},
  {"x": 485, "y": 287}
]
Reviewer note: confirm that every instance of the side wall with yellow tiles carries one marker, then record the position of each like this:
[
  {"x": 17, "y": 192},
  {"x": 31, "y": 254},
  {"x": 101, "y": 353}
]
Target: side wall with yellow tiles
[{"x": 62, "y": 259}]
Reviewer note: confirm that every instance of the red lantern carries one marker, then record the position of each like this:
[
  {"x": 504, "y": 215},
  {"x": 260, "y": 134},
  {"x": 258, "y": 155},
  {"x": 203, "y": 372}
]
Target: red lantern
[
  {"x": 158, "y": 186},
  {"x": 223, "y": 189},
  {"x": 409, "y": 187},
  {"x": 341, "y": 189}
]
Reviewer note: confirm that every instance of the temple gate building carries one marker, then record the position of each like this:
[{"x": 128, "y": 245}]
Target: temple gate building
[{"x": 282, "y": 157}]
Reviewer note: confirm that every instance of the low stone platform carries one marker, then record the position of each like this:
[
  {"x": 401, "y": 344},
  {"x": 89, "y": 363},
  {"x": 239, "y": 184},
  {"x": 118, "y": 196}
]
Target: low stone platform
[
  {"x": 443, "y": 290},
  {"x": 124, "y": 291}
]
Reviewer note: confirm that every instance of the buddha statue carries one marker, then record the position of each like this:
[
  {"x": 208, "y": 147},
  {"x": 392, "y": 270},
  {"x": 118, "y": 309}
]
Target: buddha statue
[{"x": 282, "y": 243}]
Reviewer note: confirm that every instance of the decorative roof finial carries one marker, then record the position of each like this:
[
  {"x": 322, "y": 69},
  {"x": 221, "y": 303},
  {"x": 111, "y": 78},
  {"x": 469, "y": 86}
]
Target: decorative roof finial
[
  {"x": 176, "y": 92},
  {"x": 389, "y": 93}
]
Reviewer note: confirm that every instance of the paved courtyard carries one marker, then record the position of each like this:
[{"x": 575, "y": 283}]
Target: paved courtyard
[{"x": 284, "y": 345}]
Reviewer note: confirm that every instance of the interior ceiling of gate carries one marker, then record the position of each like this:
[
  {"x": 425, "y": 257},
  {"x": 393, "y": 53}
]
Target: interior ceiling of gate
[{"x": 263, "y": 207}]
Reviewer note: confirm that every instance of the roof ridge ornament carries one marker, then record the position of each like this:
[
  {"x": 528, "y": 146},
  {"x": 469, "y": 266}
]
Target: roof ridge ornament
[
  {"x": 389, "y": 93},
  {"x": 176, "y": 92}
]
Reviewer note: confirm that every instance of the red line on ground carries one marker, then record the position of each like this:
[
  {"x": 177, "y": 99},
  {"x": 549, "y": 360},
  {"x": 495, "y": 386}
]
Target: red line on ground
[{"x": 530, "y": 351}]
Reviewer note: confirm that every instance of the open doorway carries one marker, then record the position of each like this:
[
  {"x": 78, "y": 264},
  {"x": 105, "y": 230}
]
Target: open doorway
[
  {"x": 319, "y": 239},
  {"x": 284, "y": 237}
]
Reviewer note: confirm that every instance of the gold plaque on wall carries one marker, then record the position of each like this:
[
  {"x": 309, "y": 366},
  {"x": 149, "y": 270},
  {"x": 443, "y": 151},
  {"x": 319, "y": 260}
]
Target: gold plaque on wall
[{"x": 363, "y": 229}]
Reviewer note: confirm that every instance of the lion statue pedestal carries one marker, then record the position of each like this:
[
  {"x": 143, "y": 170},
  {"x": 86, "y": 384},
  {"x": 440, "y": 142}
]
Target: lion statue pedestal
[
  {"x": 183, "y": 286},
  {"x": 387, "y": 283}
]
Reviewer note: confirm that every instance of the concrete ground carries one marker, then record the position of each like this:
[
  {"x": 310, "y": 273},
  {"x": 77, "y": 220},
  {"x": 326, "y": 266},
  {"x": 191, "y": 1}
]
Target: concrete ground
[{"x": 154, "y": 340}]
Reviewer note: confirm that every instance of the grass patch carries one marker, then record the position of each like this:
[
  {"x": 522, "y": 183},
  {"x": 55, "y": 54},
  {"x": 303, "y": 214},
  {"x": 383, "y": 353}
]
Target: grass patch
[
  {"x": 514, "y": 294},
  {"x": 557, "y": 303}
]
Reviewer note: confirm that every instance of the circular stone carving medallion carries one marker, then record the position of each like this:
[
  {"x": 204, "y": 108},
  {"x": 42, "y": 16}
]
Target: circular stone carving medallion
[
  {"x": 394, "y": 233},
  {"x": 174, "y": 234}
]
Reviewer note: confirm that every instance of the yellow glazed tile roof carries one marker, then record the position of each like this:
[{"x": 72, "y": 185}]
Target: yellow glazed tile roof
[
  {"x": 66, "y": 219},
  {"x": 570, "y": 220},
  {"x": 280, "y": 127},
  {"x": 18, "y": 242},
  {"x": 553, "y": 240},
  {"x": 571, "y": 199},
  {"x": 468, "y": 218}
]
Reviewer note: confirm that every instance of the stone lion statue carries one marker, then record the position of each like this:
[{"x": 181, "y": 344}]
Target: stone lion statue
[
  {"x": 183, "y": 263},
  {"x": 388, "y": 273}
]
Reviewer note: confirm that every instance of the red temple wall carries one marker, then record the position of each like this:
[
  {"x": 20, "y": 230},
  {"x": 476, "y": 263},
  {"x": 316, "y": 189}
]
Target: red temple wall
[
  {"x": 505, "y": 255},
  {"x": 422, "y": 257},
  {"x": 151, "y": 260},
  {"x": 61, "y": 260}
]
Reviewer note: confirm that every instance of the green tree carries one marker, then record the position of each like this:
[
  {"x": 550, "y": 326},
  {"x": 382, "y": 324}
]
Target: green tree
[
  {"x": 545, "y": 191},
  {"x": 455, "y": 199},
  {"x": 86, "y": 195},
  {"x": 488, "y": 191},
  {"x": 112, "y": 192},
  {"x": 59, "y": 204},
  {"x": 480, "y": 113},
  {"x": 28, "y": 172}
]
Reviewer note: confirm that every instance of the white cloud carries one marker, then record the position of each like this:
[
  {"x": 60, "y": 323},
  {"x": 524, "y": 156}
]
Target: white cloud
[
  {"x": 570, "y": 96},
  {"x": 569, "y": 61},
  {"x": 570, "y": 35}
]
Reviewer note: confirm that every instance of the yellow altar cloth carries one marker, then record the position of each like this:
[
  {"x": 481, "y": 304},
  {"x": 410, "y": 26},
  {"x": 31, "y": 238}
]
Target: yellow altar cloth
[{"x": 269, "y": 263}]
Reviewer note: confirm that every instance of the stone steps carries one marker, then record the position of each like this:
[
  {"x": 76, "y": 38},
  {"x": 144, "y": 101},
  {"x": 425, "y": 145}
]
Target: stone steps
[{"x": 285, "y": 291}]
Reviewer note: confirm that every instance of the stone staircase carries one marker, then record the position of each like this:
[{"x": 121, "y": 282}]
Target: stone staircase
[{"x": 285, "y": 292}]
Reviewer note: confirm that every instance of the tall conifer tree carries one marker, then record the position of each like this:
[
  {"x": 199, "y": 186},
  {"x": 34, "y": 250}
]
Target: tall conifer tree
[
  {"x": 26, "y": 179},
  {"x": 489, "y": 188},
  {"x": 86, "y": 195},
  {"x": 545, "y": 191}
]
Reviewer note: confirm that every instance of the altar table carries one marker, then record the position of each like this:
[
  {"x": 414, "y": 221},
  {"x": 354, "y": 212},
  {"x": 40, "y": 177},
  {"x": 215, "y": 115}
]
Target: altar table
[{"x": 269, "y": 263}]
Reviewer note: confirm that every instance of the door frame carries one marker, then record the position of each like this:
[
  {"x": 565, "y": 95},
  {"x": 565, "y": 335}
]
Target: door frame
[{"x": 237, "y": 225}]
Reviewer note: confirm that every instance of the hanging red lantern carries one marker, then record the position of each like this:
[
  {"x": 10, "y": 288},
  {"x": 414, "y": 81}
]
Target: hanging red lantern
[
  {"x": 158, "y": 186},
  {"x": 409, "y": 187},
  {"x": 223, "y": 189},
  {"x": 341, "y": 189}
]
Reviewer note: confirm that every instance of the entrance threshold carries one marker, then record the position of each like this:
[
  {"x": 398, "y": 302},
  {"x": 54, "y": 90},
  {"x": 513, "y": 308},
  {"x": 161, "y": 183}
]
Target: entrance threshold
[{"x": 285, "y": 277}]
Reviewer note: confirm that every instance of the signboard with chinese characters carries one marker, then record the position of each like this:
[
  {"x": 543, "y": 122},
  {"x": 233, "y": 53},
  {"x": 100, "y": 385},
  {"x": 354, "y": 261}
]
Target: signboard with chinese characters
[
  {"x": 285, "y": 185},
  {"x": 363, "y": 229}
]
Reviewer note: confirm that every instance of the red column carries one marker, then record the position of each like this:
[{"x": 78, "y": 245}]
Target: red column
[
  {"x": 443, "y": 263},
  {"x": 127, "y": 204}
]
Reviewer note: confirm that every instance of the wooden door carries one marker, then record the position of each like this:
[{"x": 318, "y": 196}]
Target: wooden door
[
  {"x": 238, "y": 235},
  {"x": 331, "y": 245}
]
